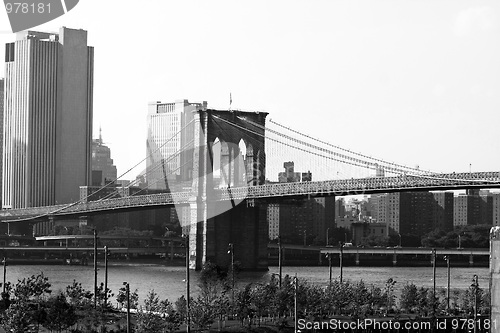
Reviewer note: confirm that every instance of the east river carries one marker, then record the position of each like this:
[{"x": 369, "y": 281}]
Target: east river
[{"x": 169, "y": 281}]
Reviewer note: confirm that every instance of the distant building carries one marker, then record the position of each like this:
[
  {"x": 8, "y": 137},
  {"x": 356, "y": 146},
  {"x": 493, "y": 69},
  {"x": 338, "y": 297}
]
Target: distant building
[
  {"x": 169, "y": 143},
  {"x": 339, "y": 208},
  {"x": 360, "y": 230},
  {"x": 413, "y": 213},
  {"x": 273, "y": 218},
  {"x": 485, "y": 208},
  {"x": 495, "y": 209},
  {"x": 466, "y": 208},
  {"x": 443, "y": 211},
  {"x": 103, "y": 169},
  {"x": 345, "y": 221},
  {"x": 289, "y": 175},
  {"x": 416, "y": 213},
  {"x": 393, "y": 213},
  {"x": 296, "y": 219},
  {"x": 48, "y": 118}
]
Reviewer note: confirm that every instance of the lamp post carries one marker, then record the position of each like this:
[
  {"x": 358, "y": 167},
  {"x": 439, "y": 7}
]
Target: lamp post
[
  {"x": 329, "y": 256},
  {"x": 279, "y": 259},
  {"x": 105, "y": 276},
  {"x": 447, "y": 258},
  {"x": 327, "y": 236},
  {"x": 400, "y": 240},
  {"x": 231, "y": 251},
  {"x": 127, "y": 290},
  {"x": 295, "y": 302},
  {"x": 475, "y": 284},
  {"x": 95, "y": 268},
  {"x": 433, "y": 283},
  {"x": 341, "y": 258},
  {"x": 188, "y": 317},
  {"x": 4, "y": 272}
]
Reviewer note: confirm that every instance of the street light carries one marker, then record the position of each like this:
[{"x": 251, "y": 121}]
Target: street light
[
  {"x": 105, "y": 276},
  {"x": 231, "y": 251},
  {"x": 341, "y": 258},
  {"x": 188, "y": 318},
  {"x": 329, "y": 256},
  {"x": 95, "y": 268},
  {"x": 4, "y": 273},
  {"x": 447, "y": 258},
  {"x": 475, "y": 285},
  {"x": 295, "y": 302},
  {"x": 279, "y": 259},
  {"x": 127, "y": 289},
  {"x": 327, "y": 236},
  {"x": 433, "y": 283}
]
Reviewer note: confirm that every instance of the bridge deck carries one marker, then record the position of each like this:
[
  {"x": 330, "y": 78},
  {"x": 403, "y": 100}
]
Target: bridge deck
[{"x": 317, "y": 188}]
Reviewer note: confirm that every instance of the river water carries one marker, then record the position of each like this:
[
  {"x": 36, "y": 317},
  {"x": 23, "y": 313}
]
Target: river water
[{"x": 169, "y": 281}]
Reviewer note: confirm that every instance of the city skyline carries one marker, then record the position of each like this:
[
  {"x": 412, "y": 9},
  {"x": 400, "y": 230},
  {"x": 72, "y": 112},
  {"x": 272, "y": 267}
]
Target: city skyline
[{"x": 413, "y": 83}]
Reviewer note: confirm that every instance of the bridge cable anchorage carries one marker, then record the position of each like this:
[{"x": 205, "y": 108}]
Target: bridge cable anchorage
[
  {"x": 395, "y": 168},
  {"x": 336, "y": 156}
]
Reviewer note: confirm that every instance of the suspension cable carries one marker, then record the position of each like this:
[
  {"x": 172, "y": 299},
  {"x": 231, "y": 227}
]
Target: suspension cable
[{"x": 347, "y": 150}]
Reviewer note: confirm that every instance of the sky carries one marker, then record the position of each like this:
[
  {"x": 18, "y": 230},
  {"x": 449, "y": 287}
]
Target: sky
[{"x": 414, "y": 82}]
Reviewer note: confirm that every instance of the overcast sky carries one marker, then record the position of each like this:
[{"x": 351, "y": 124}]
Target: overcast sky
[{"x": 415, "y": 82}]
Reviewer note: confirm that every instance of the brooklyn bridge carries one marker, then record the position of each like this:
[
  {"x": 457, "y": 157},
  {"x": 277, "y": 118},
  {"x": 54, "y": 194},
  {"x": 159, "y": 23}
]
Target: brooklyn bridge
[{"x": 222, "y": 192}]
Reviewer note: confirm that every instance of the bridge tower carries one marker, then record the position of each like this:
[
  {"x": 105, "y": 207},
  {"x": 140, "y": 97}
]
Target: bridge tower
[{"x": 228, "y": 153}]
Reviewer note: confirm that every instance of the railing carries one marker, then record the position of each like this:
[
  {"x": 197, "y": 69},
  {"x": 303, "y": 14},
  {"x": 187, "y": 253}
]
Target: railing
[{"x": 330, "y": 187}]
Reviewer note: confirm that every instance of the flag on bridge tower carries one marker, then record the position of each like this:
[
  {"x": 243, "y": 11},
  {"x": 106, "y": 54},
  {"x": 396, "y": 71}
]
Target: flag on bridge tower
[{"x": 230, "y": 101}]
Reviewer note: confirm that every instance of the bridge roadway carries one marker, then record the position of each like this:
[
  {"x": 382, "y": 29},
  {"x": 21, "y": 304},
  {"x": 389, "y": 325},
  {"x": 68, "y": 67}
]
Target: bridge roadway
[{"x": 450, "y": 181}]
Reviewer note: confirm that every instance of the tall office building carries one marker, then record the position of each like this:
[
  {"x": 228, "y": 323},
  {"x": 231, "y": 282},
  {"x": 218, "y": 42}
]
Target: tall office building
[
  {"x": 47, "y": 118},
  {"x": 169, "y": 143},
  {"x": 103, "y": 169}
]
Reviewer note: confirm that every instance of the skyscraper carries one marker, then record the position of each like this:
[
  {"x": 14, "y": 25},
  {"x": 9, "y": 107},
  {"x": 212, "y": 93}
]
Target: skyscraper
[
  {"x": 169, "y": 142},
  {"x": 103, "y": 169},
  {"x": 48, "y": 118}
]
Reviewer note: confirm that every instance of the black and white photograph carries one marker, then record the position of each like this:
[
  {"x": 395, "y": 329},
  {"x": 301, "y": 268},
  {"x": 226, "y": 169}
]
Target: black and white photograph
[{"x": 250, "y": 166}]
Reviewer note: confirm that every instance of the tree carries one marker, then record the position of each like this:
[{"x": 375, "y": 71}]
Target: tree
[
  {"x": 78, "y": 296},
  {"x": 202, "y": 315},
  {"x": 60, "y": 314},
  {"x": 19, "y": 318},
  {"x": 33, "y": 288},
  {"x": 388, "y": 295},
  {"x": 102, "y": 295},
  {"x": 26, "y": 311},
  {"x": 122, "y": 298},
  {"x": 423, "y": 301},
  {"x": 181, "y": 307},
  {"x": 409, "y": 297},
  {"x": 244, "y": 307},
  {"x": 149, "y": 315}
]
